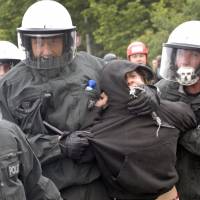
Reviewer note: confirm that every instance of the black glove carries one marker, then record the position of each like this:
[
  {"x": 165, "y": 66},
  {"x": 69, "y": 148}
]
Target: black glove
[
  {"x": 74, "y": 144},
  {"x": 144, "y": 100}
]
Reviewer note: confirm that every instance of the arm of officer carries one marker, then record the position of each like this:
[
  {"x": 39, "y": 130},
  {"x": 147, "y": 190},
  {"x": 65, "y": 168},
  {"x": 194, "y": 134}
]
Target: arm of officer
[
  {"x": 191, "y": 141},
  {"x": 46, "y": 147},
  {"x": 36, "y": 186},
  {"x": 44, "y": 144}
]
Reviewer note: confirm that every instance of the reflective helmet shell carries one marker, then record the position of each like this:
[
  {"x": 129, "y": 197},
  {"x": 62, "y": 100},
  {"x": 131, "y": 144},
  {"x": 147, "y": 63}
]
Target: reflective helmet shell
[
  {"x": 46, "y": 15},
  {"x": 9, "y": 51},
  {"x": 135, "y": 48},
  {"x": 185, "y": 35}
]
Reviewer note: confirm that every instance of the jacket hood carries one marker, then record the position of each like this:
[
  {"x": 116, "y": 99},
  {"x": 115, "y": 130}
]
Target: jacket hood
[{"x": 113, "y": 81}]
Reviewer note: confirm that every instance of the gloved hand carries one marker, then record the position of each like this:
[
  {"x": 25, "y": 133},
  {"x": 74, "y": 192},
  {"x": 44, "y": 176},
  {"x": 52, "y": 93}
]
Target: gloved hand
[
  {"x": 145, "y": 100},
  {"x": 74, "y": 144}
]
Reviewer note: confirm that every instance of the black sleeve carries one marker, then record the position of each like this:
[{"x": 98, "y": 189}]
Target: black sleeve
[
  {"x": 178, "y": 114},
  {"x": 46, "y": 147},
  {"x": 44, "y": 143},
  {"x": 93, "y": 117},
  {"x": 191, "y": 141}
]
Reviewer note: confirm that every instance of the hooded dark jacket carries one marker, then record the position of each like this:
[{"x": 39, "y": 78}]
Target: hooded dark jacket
[{"x": 137, "y": 157}]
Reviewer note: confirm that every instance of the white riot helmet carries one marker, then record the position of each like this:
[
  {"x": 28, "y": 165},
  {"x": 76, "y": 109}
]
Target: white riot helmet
[
  {"x": 47, "y": 20},
  {"x": 9, "y": 53},
  {"x": 180, "y": 60}
]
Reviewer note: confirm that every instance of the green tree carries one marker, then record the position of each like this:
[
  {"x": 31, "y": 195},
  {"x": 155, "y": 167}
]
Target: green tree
[
  {"x": 119, "y": 22},
  {"x": 11, "y": 13},
  {"x": 109, "y": 26},
  {"x": 165, "y": 16}
]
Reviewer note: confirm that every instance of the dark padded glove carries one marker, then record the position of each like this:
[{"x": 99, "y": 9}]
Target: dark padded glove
[
  {"x": 74, "y": 144},
  {"x": 144, "y": 100}
]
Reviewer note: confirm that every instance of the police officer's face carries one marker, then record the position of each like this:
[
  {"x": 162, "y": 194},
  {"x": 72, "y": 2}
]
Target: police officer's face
[
  {"x": 47, "y": 47},
  {"x": 134, "y": 79},
  {"x": 187, "y": 58},
  {"x": 138, "y": 58},
  {"x": 4, "y": 68}
]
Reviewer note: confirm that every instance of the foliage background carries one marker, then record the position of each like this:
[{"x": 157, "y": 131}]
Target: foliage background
[{"x": 109, "y": 26}]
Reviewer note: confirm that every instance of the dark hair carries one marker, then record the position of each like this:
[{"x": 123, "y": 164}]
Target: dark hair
[{"x": 143, "y": 74}]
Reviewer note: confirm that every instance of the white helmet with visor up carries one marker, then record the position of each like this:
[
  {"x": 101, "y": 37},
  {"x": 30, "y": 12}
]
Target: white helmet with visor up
[
  {"x": 180, "y": 60},
  {"x": 47, "y": 23}
]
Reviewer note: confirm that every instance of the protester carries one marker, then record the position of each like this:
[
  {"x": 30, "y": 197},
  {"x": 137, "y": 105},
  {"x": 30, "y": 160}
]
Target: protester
[
  {"x": 137, "y": 154},
  {"x": 21, "y": 174},
  {"x": 10, "y": 55},
  {"x": 137, "y": 52},
  {"x": 180, "y": 67}
]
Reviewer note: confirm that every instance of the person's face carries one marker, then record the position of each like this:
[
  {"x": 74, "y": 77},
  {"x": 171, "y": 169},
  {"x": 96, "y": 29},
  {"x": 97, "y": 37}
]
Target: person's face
[
  {"x": 134, "y": 79},
  {"x": 4, "y": 68},
  {"x": 138, "y": 58},
  {"x": 187, "y": 58},
  {"x": 47, "y": 47},
  {"x": 154, "y": 64}
]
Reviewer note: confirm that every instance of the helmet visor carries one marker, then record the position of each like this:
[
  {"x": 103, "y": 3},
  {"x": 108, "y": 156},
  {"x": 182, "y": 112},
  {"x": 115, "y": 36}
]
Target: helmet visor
[
  {"x": 47, "y": 50},
  {"x": 46, "y": 47},
  {"x": 177, "y": 64}
]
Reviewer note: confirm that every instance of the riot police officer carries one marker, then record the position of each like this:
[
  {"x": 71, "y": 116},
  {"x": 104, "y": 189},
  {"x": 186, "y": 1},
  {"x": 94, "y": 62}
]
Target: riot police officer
[
  {"x": 49, "y": 87},
  {"x": 180, "y": 68},
  {"x": 10, "y": 55},
  {"x": 21, "y": 174}
]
